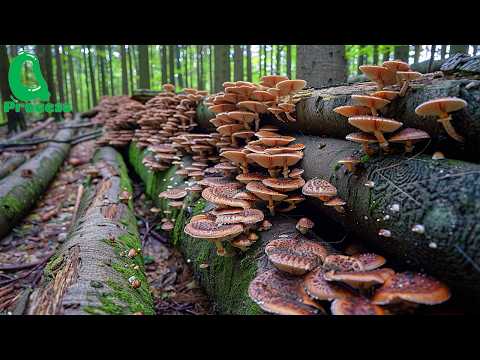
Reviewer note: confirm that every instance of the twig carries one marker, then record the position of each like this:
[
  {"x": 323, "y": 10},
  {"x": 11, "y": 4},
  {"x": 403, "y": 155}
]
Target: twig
[{"x": 80, "y": 190}]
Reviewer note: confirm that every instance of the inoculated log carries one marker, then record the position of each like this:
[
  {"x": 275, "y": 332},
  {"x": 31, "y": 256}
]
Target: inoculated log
[
  {"x": 427, "y": 210},
  {"x": 91, "y": 273},
  {"x": 315, "y": 115},
  {"x": 22, "y": 188},
  {"x": 225, "y": 279},
  {"x": 11, "y": 164}
]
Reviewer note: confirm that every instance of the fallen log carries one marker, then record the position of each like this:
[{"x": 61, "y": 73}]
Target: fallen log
[
  {"x": 90, "y": 273},
  {"x": 30, "y": 132},
  {"x": 22, "y": 188},
  {"x": 225, "y": 279},
  {"x": 438, "y": 199},
  {"x": 11, "y": 164},
  {"x": 315, "y": 115}
]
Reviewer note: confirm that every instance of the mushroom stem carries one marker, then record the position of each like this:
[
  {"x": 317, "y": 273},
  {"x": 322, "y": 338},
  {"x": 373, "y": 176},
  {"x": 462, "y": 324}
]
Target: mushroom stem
[
  {"x": 220, "y": 248},
  {"x": 374, "y": 111},
  {"x": 257, "y": 123},
  {"x": 285, "y": 171},
  {"x": 404, "y": 88},
  {"x": 447, "y": 125},
  {"x": 381, "y": 139},
  {"x": 271, "y": 207},
  {"x": 273, "y": 172},
  {"x": 408, "y": 146}
]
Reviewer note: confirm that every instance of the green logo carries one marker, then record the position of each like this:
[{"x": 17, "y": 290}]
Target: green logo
[{"x": 28, "y": 97}]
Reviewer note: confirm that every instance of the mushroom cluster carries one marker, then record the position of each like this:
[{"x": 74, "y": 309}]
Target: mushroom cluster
[
  {"x": 307, "y": 274},
  {"x": 255, "y": 165},
  {"x": 119, "y": 114}
]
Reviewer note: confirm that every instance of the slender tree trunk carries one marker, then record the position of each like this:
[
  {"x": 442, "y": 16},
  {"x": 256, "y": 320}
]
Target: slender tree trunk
[
  {"x": 123, "y": 57},
  {"x": 163, "y": 56},
  {"x": 92, "y": 77},
  {"x": 271, "y": 60},
  {"x": 278, "y": 63},
  {"x": 171, "y": 63},
  {"x": 360, "y": 58},
  {"x": 475, "y": 49},
  {"x": 49, "y": 73},
  {"x": 15, "y": 120},
  {"x": 73, "y": 85},
  {"x": 100, "y": 52},
  {"x": 264, "y": 59},
  {"x": 134, "y": 57},
  {"x": 375, "y": 54},
  {"x": 87, "y": 82},
  {"x": 144, "y": 67},
  {"x": 13, "y": 50},
  {"x": 443, "y": 52},
  {"x": 222, "y": 66},
  {"x": 110, "y": 67},
  {"x": 68, "y": 90},
  {"x": 200, "y": 67},
  {"x": 289, "y": 61},
  {"x": 59, "y": 70},
  {"x": 178, "y": 66},
  {"x": 386, "y": 54},
  {"x": 455, "y": 49},
  {"x": 249, "y": 63},
  {"x": 401, "y": 52},
  {"x": 210, "y": 67},
  {"x": 321, "y": 65},
  {"x": 130, "y": 68},
  {"x": 237, "y": 63},
  {"x": 418, "y": 50},
  {"x": 185, "y": 62},
  {"x": 432, "y": 57}
]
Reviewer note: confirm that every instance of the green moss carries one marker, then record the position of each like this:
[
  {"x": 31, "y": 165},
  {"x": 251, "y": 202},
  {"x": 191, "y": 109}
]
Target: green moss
[
  {"x": 53, "y": 265},
  {"x": 10, "y": 206},
  {"x": 364, "y": 159}
]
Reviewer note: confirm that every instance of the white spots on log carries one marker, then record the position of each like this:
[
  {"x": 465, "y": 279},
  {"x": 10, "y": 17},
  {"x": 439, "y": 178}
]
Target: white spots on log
[
  {"x": 386, "y": 217},
  {"x": 395, "y": 208},
  {"x": 385, "y": 233},
  {"x": 189, "y": 261},
  {"x": 370, "y": 184},
  {"x": 432, "y": 245},
  {"x": 418, "y": 228},
  {"x": 365, "y": 217}
]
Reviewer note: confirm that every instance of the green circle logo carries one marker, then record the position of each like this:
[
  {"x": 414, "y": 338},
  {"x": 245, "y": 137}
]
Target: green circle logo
[{"x": 21, "y": 91}]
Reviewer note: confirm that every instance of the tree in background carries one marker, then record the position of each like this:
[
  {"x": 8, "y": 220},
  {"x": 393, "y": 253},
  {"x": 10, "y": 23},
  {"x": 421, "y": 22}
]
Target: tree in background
[
  {"x": 221, "y": 65},
  {"x": 237, "y": 63},
  {"x": 123, "y": 58},
  {"x": 144, "y": 67}
]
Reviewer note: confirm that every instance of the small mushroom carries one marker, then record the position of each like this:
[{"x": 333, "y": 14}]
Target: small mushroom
[
  {"x": 372, "y": 102},
  {"x": 320, "y": 189},
  {"x": 132, "y": 253},
  {"x": 355, "y": 305},
  {"x": 350, "y": 164},
  {"x": 365, "y": 140},
  {"x": 409, "y": 136},
  {"x": 265, "y": 225},
  {"x": 134, "y": 282},
  {"x": 266, "y": 194},
  {"x": 379, "y": 74},
  {"x": 124, "y": 196},
  {"x": 438, "y": 155},
  {"x": 304, "y": 225},
  {"x": 375, "y": 125},
  {"x": 318, "y": 288},
  {"x": 441, "y": 108},
  {"x": 406, "y": 77},
  {"x": 360, "y": 279},
  {"x": 337, "y": 204}
]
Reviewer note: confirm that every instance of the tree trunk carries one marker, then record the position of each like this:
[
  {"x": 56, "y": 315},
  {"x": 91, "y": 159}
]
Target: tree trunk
[
  {"x": 222, "y": 66},
  {"x": 455, "y": 49},
  {"x": 90, "y": 258},
  {"x": 92, "y": 77},
  {"x": 30, "y": 132},
  {"x": 210, "y": 67},
  {"x": 237, "y": 63},
  {"x": 68, "y": 90},
  {"x": 278, "y": 63},
  {"x": 264, "y": 59},
  {"x": 163, "y": 59},
  {"x": 249, "y": 63},
  {"x": 432, "y": 58},
  {"x": 199, "y": 54},
  {"x": 49, "y": 77},
  {"x": 130, "y": 68},
  {"x": 321, "y": 65},
  {"x": 271, "y": 60},
  {"x": 144, "y": 67},
  {"x": 59, "y": 69},
  {"x": 178, "y": 67},
  {"x": 18, "y": 194},
  {"x": 416, "y": 56},
  {"x": 360, "y": 58},
  {"x": 11, "y": 163},
  {"x": 475, "y": 49},
  {"x": 386, "y": 54},
  {"x": 171, "y": 63},
  {"x": 289, "y": 61},
  {"x": 375, "y": 54},
  {"x": 401, "y": 52},
  {"x": 87, "y": 83},
  {"x": 443, "y": 52},
  {"x": 185, "y": 62},
  {"x": 110, "y": 67},
  {"x": 15, "y": 120},
  {"x": 123, "y": 57},
  {"x": 100, "y": 52}
]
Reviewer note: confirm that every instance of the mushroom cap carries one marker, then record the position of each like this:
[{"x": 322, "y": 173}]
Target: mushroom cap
[
  {"x": 409, "y": 75},
  {"x": 362, "y": 138},
  {"x": 336, "y": 201},
  {"x": 318, "y": 288},
  {"x": 356, "y": 305},
  {"x": 277, "y": 160},
  {"x": 247, "y": 216},
  {"x": 370, "y": 261},
  {"x": 413, "y": 287},
  {"x": 370, "y": 124},
  {"x": 284, "y": 184},
  {"x": 261, "y": 95},
  {"x": 265, "y": 193},
  {"x": 349, "y": 161},
  {"x": 236, "y": 156},
  {"x": 209, "y": 230},
  {"x": 246, "y": 178},
  {"x": 255, "y": 106},
  {"x": 305, "y": 223},
  {"x": 288, "y": 86},
  {"x": 285, "y": 149},
  {"x": 245, "y": 134},
  {"x": 379, "y": 73},
  {"x": 409, "y": 134},
  {"x": 221, "y": 108},
  {"x": 360, "y": 278},
  {"x": 245, "y": 195},
  {"x": 370, "y": 101},
  {"x": 167, "y": 226},
  {"x": 173, "y": 194},
  {"x": 294, "y": 199},
  {"x": 385, "y": 94},
  {"x": 318, "y": 187},
  {"x": 229, "y": 129},
  {"x": 272, "y": 80},
  {"x": 168, "y": 87},
  {"x": 396, "y": 65},
  {"x": 224, "y": 211},
  {"x": 297, "y": 172},
  {"x": 352, "y": 110},
  {"x": 215, "y": 181},
  {"x": 342, "y": 263},
  {"x": 276, "y": 140},
  {"x": 278, "y": 293},
  {"x": 295, "y": 255},
  {"x": 440, "y": 106},
  {"x": 243, "y": 116},
  {"x": 224, "y": 196},
  {"x": 175, "y": 204}
]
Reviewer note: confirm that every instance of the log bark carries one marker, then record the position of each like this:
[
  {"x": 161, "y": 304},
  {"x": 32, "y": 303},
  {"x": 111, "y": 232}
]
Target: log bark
[
  {"x": 88, "y": 274},
  {"x": 11, "y": 164},
  {"x": 225, "y": 279},
  {"x": 315, "y": 115},
  {"x": 30, "y": 132},
  {"x": 19, "y": 193},
  {"x": 441, "y": 195}
]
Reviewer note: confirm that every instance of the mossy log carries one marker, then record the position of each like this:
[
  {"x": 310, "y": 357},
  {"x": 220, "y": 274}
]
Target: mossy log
[
  {"x": 90, "y": 273},
  {"x": 225, "y": 279},
  {"x": 443, "y": 196},
  {"x": 315, "y": 115},
  {"x": 23, "y": 187},
  {"x": 11, "y": 164}
]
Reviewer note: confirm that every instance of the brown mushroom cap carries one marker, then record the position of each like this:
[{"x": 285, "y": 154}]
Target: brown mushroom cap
[
  {"x": 285, "y": 149},
  {"x": 319, "y": 188},
  {"x": 247, "y": 216},
  {"x": 409, "y": 75},
  {"x": 294, "y": 255},
  {"x": 263, "y": 96},
  {"x": 413, "y": 287},
  {"x": 342, "y": 263},
  {"x": 272, "y": 80},
  {"x": 305, "y": 223},
  {"x": 236, "y": 156},
  {"x": 224, "y": 196},
  {"x": 370, "y": 261},
  {"x": 219, "y": 181},
  {"x": 385, "y": 94},
  {"x": 440, "y": 107},
  {"x": 379, "y": 74},
  {"x": 360, "y": 279},
  {"x": 409, "y": 134},
  {"x": 369, "y": 101},
  {"x": 173, "y": 194},
  {"x": 278, "y": 293},
  {"x": 277, "y": 160},
  {"x": 318, "y": 288},
  {"x": 336, "y": 201},
  {"x": 209, "y": 230},
  {"x": 362, "y": 138},
  {"x": 351, "y": 110},
  {"x": 289, "y": 86},
  {"x": 396, "y": 65},
  {"x": 265, "y": 193},
  {"x": 246, "y": 178},
  {"x": 242, "y": 116},
  {"x": 167, "y": 226},
  {"x": 372, "y": 124},
  {"x": 276, "y": 140},
  {"x": 285, "y": 184},
  {"x": 255, "y": 106},
  {"x": 355, "y": 306},
  {"x": 295, "y": 173}
]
